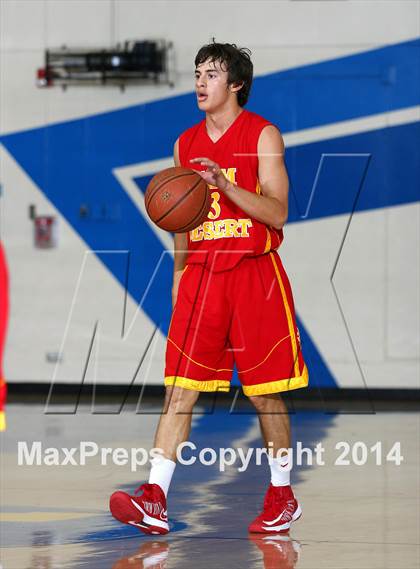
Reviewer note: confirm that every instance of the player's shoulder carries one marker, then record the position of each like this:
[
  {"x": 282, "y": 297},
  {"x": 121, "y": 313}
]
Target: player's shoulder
[
  {"x": 256, "y": 124},
  {"x": 259, "y": 129},
  {"x": 186, "y": 139},
  {"x": 256, "y": 119},
  {"x": 264, "y": 127}
]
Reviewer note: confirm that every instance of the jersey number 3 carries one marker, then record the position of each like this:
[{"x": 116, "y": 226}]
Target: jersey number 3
[{"x": 215, "y": 207}]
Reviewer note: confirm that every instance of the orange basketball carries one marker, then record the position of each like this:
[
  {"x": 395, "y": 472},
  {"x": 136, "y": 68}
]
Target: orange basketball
[{"x": 177, "y": 199}]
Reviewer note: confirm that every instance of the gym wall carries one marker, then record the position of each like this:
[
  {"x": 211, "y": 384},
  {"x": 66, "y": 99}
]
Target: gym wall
[{"x": 340, "y": 79}]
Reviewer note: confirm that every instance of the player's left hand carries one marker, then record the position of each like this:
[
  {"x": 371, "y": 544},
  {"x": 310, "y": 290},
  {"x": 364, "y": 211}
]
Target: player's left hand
[{"x": 214, "y": 174}]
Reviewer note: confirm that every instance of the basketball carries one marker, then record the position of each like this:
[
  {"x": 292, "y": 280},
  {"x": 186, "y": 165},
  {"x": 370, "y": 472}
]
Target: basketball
[{"x": 177, "y": 199}]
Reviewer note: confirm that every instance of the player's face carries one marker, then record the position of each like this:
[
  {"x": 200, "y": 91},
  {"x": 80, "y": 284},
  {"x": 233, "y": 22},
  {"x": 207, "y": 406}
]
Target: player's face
[{"x": 211, "y": 86}]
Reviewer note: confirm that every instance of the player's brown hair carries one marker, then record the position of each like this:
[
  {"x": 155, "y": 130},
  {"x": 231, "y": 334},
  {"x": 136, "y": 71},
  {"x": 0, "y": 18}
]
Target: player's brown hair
[{"x": 237, "y": 62}]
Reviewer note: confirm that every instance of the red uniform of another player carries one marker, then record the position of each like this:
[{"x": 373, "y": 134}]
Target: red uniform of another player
[
  {"x": 4, "y": 313},
  {"x": 234, "y": 300}
]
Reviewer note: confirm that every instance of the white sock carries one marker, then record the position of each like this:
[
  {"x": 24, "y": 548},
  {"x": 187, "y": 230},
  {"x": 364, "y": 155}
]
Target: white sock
[
  {"x": 161, "y": 472},
  {"x": 280, "y": 471}
]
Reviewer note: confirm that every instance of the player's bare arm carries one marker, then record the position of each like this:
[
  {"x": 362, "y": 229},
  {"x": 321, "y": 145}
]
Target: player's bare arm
[
  {"x": 271, "y": 206},
  {"x": 180, "y": 245}
]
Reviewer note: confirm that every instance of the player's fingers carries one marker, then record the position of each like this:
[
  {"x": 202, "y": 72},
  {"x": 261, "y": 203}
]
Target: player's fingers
[
  {"x": 202, "y": 160},
  {"x": 207, "y": 162}
]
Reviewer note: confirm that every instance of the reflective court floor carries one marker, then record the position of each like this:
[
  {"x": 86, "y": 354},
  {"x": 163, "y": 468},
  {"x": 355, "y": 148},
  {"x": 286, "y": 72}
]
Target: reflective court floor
[{"x": 360, "y": 508}]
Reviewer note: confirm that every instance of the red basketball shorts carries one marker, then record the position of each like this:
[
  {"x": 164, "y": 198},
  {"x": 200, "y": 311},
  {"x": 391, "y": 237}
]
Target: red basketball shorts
[{"x": 245, "y": 316}]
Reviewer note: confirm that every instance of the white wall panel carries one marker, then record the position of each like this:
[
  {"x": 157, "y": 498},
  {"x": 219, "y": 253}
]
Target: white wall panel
[
  {"x": 22, "y": 25},
  {"x": 78, "y": 22},
  {"x": 403, "y": 284}
]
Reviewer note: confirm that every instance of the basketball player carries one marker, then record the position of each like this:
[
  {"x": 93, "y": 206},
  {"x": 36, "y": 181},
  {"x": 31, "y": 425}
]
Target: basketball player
[{"x": 232, "y": 300}]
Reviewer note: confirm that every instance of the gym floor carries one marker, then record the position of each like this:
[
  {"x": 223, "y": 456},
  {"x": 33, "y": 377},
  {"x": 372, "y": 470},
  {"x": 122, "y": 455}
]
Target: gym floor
[{"x": 354, "y": 515}]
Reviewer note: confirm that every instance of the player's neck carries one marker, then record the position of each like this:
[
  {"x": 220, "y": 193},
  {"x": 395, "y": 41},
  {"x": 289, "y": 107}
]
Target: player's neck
[{"x": 219, "y": 121}]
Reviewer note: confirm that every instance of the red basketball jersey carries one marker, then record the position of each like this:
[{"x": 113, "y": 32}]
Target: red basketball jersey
[{"x": 229, "y": 233}]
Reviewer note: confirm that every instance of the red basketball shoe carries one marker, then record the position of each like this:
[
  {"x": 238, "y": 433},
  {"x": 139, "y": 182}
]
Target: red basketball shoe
[
  {"x": 280, "y": 510},
  {"x": 147, "y": 512}
]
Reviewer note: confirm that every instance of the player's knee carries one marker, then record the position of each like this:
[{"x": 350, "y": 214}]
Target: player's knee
[
  {"x": 264, "y": 403},
  {"x": 179, "y": 399}
]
